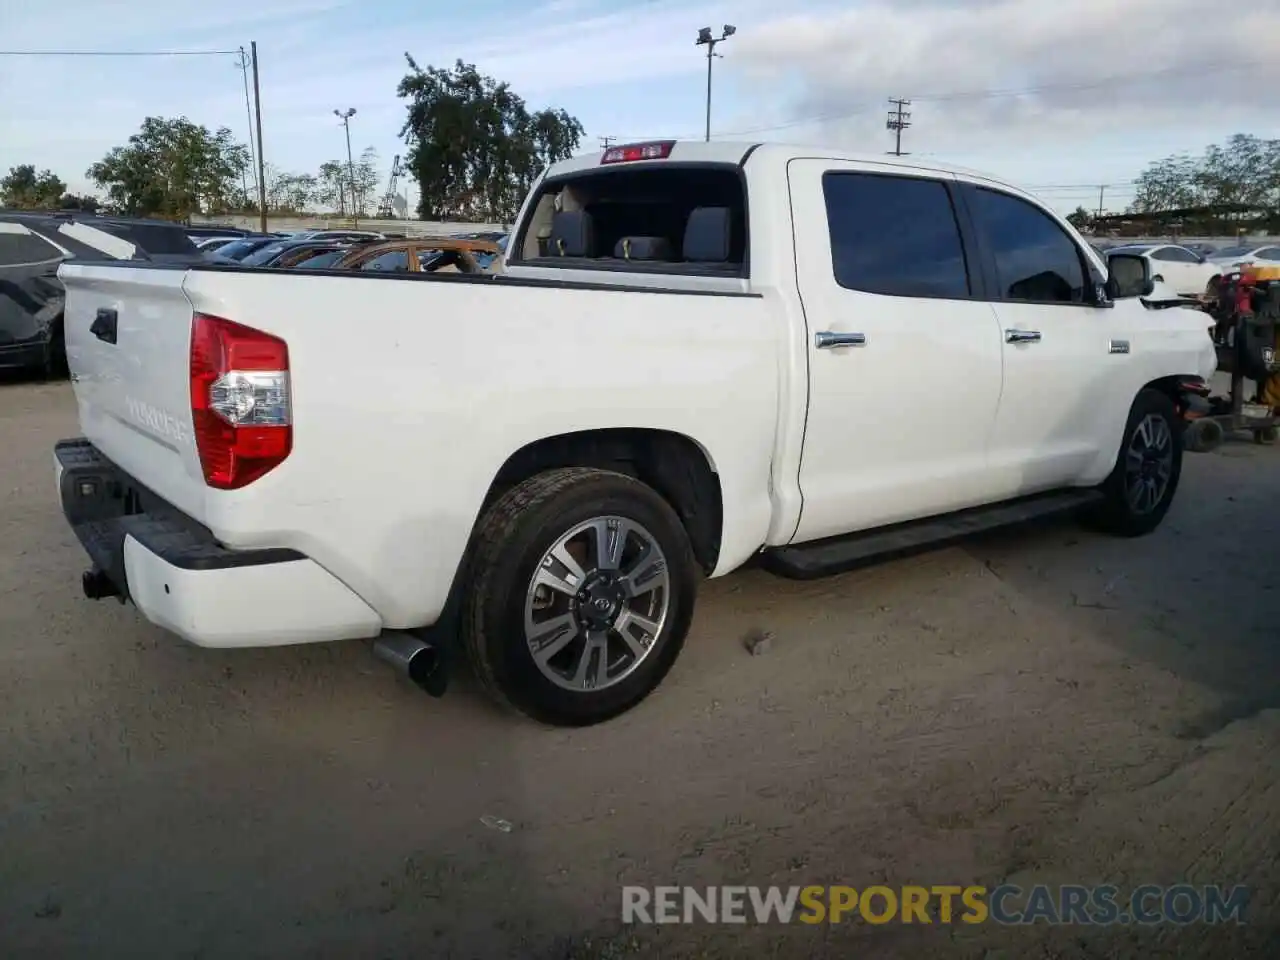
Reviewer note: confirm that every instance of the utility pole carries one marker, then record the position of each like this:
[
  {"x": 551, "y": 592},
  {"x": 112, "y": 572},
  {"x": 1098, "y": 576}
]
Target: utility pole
[
  {"x": 257, "y": 106},
  {"x": 345, "y": 116},
  {"x": 1101, "y": 190},
  {"x": 606, "y": 142},
  {"x": 899, "y": 120},
  {"x": 705, "y": 39}
]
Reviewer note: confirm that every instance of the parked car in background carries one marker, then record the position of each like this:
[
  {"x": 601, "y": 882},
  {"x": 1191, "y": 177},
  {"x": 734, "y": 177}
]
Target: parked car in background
[
  {"x": 348, "y": 236},
  {"x": 420, "y": 255},
  {"x": 213, "y": 243},
  {"x": 286, "y": 253},
  {"x": 200, "y": 232},
  {"x": 32, "y": 248},
  {"x": 322, "y": 261},
  {"x": 1186, "y": 272},
  {"x": 1202, "y": 249},
  {"x": 1264, "y": 254},
  {"x": 237, "y": 250}
]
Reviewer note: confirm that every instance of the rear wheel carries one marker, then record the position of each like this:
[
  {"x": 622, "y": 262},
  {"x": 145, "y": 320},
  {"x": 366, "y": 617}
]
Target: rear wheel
[
  {"x": 581, "y": 590},
  {"x": 1141, "y": 487}
]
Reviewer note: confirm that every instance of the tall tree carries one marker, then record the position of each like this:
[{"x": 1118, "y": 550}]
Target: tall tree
[
  {"x": 332, "y": 186},
  {"x": 24, "y": 189},
  {"x": 1244, "y": 170},
  {"x": 474, "y": 147},
  {"x": 367, "y": 182},
  {"x": 1080, "y": 218},
  {"x": 173, "y": 168}
]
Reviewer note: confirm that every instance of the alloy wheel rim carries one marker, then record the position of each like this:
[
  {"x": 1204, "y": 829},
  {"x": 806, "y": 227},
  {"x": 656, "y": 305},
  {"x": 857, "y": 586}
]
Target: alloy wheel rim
[
  {"x": 1148, "y": 464},
  {"x": 596, "y": 604}
]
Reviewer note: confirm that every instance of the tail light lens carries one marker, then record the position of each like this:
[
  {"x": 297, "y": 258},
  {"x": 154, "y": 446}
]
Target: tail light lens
[{"x": 239, "y": 401}]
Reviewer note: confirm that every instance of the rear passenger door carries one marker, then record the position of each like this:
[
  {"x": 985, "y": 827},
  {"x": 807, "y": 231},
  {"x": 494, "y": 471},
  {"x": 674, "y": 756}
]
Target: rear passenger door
[
  {"x": 1060, "y": 359},
  {"x": 903, "y": 352}
]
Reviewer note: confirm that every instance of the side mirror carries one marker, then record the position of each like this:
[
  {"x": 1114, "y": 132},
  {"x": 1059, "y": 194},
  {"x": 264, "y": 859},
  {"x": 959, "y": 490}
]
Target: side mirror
[{"x": 1128, "y": 275}]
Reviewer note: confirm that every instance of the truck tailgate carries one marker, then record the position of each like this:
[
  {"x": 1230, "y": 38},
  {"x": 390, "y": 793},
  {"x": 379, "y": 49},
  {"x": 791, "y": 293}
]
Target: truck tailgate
[{"x": 128, "y": 333}]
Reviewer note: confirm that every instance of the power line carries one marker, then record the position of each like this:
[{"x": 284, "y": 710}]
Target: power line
[{"x": 118, "y": 53}]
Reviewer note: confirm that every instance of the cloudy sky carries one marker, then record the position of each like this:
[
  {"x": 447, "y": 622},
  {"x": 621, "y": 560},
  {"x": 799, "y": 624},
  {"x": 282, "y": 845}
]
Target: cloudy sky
[{"x": 1059, "y": 95}]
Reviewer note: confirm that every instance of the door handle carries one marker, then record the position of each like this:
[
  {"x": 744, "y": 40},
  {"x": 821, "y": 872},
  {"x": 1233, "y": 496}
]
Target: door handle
[
  {"x": 104, "y": 325},
  {"x": 1022, "y": 336},
  {"x": 826, "y": 339}
]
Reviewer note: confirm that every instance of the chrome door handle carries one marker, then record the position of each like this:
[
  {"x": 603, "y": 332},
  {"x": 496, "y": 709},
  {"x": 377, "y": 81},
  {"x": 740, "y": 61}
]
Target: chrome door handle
[
  {"x": 1022, "y": 336},
  {"x": 826, "y": 339}
]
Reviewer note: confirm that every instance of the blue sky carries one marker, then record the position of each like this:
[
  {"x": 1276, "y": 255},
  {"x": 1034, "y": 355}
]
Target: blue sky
[{"x": 1057, "y": 96}]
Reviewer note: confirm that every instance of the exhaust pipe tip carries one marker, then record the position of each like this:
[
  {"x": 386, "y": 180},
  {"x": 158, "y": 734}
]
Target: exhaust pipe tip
[
  {"x": 417, "y": 659},
  {"x": 97, "y": 585}
]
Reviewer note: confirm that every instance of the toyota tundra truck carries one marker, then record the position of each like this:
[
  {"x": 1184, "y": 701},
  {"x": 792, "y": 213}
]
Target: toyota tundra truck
[{"x": 694, "y": 355}]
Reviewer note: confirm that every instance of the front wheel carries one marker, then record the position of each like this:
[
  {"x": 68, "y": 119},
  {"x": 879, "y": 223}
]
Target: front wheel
[
  {"x": 582, "y": 586},
  {"x": 1141, "y": 488}
]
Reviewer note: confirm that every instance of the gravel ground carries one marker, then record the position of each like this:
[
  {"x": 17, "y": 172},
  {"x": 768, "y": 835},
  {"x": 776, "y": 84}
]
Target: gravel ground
[{"x": 1039, "y": 706}]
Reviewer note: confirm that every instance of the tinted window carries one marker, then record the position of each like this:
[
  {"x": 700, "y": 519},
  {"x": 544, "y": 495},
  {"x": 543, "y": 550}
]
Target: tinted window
[
  {"x": 323, "y": 260},
  {"x": 894, "y": 235},
  {"x": 1181, "y": 255},
  {"x": 395, "y": 260},
  {"x": 1035, "y": 259},
  {"x": 264, "y": 255},
  {"x": 25, "y": 249},
  {"x": 240, "y": 248},
  {"x": 1269, "y": 253}
]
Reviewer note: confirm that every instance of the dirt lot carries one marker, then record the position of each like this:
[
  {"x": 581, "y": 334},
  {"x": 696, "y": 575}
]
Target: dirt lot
[{"x": 1040, "y": 706}]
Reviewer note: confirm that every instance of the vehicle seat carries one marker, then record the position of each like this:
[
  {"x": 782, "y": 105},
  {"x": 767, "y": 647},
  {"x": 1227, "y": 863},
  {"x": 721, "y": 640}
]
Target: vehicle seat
[
  {"x": 642, "y": 248},
  {"x": 572, "y": 234},
  {"x": 708, "y": 235}
]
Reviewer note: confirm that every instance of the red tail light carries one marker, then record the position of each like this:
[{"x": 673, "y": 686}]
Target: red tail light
[{"x": 239, "y": 401}]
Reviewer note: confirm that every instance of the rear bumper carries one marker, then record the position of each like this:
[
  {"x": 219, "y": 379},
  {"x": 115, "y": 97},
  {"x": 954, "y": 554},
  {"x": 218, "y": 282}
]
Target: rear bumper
[{"x": 181, "y": 578}]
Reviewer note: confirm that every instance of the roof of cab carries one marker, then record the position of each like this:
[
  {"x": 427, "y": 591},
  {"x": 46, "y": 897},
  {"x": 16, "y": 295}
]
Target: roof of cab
[{"x": 736, "y": 152}]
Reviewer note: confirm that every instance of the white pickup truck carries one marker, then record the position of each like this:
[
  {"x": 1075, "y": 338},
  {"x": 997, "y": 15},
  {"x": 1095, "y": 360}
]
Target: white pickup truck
[{"x": 694, "y": 354}]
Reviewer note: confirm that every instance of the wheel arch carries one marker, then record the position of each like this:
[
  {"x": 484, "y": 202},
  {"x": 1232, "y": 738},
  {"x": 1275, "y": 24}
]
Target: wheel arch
[{"x": 677, "y": 466}]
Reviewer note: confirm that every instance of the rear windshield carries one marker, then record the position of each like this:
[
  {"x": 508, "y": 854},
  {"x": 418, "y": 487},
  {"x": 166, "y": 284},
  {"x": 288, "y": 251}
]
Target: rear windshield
[{"x": 685, "y": 219}]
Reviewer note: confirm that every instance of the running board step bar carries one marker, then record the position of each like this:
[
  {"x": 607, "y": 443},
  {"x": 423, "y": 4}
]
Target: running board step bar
[{"x": 807, "y": 561}]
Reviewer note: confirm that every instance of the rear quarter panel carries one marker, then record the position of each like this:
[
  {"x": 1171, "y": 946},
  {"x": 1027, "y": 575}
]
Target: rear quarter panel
[{"x": 410, "y": 394}]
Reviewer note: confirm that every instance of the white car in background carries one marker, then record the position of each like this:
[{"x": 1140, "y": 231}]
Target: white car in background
[
  {"x": 1184, "y": 270},
  {"x": 1267, "y": 255}
]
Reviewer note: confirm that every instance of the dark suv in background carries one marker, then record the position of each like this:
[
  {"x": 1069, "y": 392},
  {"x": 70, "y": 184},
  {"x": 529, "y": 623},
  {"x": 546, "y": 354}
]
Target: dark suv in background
[{"x": 32, "y": 247}]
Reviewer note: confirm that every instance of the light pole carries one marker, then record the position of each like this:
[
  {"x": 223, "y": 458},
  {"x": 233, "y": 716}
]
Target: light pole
[
  {"x": 345, "y": 116},
  {"x": 705, "y": 39}
]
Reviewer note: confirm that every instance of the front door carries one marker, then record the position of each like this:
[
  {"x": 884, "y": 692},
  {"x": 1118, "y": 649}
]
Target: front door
[
  {"x": 1059, "y": 353},
  {"x": 904, "y": 356}
]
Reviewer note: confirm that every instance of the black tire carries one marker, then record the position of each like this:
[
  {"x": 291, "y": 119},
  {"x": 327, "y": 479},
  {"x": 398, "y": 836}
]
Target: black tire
[
  {"x": 55, "y": 358},
  {"x": 510, "y": 544},
  {"x": 1118, "y": 514},
  {"x": 1202, "y": 436}
]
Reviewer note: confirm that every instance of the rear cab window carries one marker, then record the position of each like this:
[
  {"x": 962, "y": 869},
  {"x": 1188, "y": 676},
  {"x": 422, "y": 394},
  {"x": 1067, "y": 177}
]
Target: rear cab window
[{"x": 683, "y": 219}]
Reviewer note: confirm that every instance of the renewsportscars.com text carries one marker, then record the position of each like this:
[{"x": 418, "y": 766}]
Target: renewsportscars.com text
[{"x": 942, "y": 904}]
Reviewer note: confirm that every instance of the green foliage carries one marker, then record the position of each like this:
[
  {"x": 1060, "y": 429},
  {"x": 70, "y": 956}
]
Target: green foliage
[
  {"x": 24, "y": 189},
  {"x": 474, "y": 147},
  {"x": 1080, "y": 218},
  {"x": 174, "y": 168},
  {"x": 1245, "y": 170}
]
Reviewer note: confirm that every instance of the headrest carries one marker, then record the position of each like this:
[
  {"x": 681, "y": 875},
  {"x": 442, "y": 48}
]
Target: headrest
[
  {"x": 643, "y": 248},
  {"x": 706, "y": 235},
  {"x": 572, "y": 234}
]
